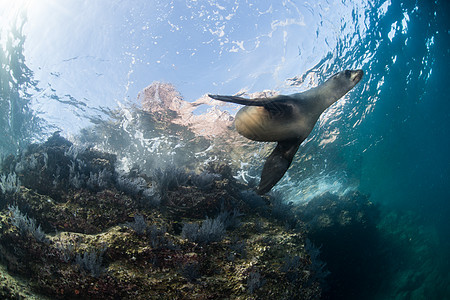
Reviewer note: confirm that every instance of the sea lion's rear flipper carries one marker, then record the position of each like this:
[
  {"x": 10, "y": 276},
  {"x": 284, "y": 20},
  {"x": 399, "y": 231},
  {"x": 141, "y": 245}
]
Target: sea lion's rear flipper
[
  {"x": 251, "y": 102},
  {"x": 277, "y": 164},
  {"x": 240, "y": 100}
]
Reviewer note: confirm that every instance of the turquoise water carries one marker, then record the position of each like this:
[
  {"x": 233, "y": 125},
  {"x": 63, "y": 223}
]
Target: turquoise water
[{"x": 65, "y": 67}]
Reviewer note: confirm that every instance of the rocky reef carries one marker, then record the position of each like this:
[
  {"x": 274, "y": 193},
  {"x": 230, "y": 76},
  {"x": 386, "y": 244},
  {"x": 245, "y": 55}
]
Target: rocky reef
[
  {"x": 72, "y": 226},
  {"x": 157, "y": 203}
]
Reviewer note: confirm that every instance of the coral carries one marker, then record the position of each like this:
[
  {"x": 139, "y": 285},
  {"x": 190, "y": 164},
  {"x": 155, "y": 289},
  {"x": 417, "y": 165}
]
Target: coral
[
  {"x": 91, "y": 261},
  {"x": 205, "y": 180},
  {"x": 74, "y": 151},
  {"x": 157, "y": 237},
  {"x": 253, "y": 199},
  {"x": 151, "y": 197},
  {"x": 75, "y": 179},
  {"x": 282, "y": 210},
  {"x": 229, "y": 219},
  {"x": 211, "y": 230},
  {"x": 138, "y": 225},
  {"x": 131, "y": 186},
  {"x": 190, "y": 231},
  {"x": 136, "y": 186},
  {"x": 237, "y": 250},
  {"x": 26, "y": 225},
  {"x": 317, "y": 267},
  {"x": 67, "y": 251},
  {"x": 169, "y": 178},
  {"x": 293, "y": 268},
  {"x": 62, "y": 164},
  {"x": 100, "y": 180},
  {"x": 254, "y": 281},
  {"x": 9, "y": 183},
  {"x": 190, "y": 271}
]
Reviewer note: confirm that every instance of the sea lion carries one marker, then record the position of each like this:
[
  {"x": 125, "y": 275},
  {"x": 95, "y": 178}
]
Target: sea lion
[{"x": 288, "y": 120}]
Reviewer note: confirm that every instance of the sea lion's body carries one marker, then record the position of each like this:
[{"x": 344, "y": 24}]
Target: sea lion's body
[
  {"x": 288, "y": 120},
  {"x": 259, "y": 124}
]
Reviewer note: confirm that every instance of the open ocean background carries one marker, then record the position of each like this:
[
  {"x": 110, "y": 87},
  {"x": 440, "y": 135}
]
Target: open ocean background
[{"x": 66, "y": 65}]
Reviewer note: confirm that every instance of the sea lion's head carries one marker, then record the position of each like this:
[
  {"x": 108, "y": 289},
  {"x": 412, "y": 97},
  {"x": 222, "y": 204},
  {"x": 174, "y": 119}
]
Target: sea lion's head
[{"x": 342, "y": 82}]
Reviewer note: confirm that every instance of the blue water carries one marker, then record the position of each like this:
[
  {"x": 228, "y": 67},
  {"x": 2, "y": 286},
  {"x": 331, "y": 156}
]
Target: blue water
[
  {"x": 389, "y": 138},
  {"x": 407, "y": 164}
]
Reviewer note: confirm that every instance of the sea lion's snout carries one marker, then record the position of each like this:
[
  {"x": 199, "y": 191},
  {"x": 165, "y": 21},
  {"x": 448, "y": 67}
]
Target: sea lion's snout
[{"x": 357, "y": 75}]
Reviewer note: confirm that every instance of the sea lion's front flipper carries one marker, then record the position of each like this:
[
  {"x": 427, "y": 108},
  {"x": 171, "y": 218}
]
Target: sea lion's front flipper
[
  {"x": 245, "y": 101},
  {"x": 277, "y": 164}
]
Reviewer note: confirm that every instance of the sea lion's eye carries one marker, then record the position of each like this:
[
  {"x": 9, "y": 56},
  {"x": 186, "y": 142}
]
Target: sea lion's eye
[{"x": 347, "y": 73}]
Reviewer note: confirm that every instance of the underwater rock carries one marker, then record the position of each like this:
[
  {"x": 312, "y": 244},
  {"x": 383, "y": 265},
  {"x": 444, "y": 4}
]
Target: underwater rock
[
  {"x": 102, "y": 241},
  {"x": 330, "y": 211},
  {"x": 165, "y": 102},
  {"x": 344, "y": 230},
  {"x": 54, "y": 167}
]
